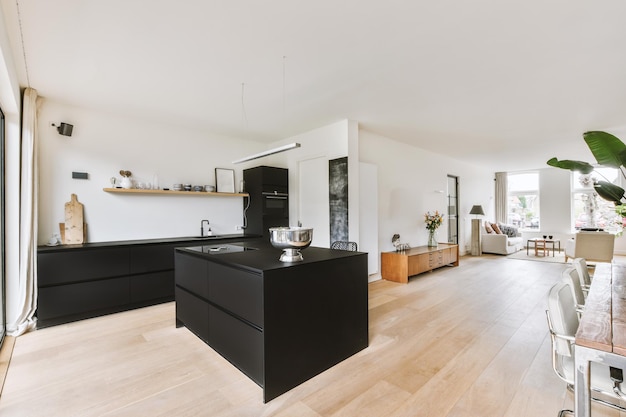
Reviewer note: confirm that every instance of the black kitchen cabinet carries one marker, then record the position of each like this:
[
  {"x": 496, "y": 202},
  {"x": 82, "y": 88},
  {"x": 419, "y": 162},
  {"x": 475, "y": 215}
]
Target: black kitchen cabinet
[
  {"x": 194, "y": 312},
  {"x": 82, "y": 298},
  {"x": 151, "y": 287},
  {"x": 268, "y": 190},
  {"x": 66, "y": 267},
  {"x": 192, "y": 275},
  {"x": 76, "y": 282},
  {"x": 238, "y": 342},
  {"x": 279, "y": 323},
  {"x": 238, "y": 291},
  {"x": 223, "y": 307}
]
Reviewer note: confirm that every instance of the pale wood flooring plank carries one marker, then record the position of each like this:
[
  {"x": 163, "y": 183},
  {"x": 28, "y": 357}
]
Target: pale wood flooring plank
[{"x": 466, "y": 341}]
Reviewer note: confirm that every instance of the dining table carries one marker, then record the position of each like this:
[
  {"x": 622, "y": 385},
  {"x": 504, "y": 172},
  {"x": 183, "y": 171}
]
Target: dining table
[{"x": 601, "y": 334}]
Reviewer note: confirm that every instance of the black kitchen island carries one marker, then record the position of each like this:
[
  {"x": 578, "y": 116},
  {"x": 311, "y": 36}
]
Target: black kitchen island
[{"x": 279, "y": 323}]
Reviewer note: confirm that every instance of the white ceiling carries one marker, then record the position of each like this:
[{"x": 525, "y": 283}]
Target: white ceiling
[{"x": 507, "y": 84}]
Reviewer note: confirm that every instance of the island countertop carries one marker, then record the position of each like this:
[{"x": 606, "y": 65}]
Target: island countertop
[{"x": 259, "y": 255}]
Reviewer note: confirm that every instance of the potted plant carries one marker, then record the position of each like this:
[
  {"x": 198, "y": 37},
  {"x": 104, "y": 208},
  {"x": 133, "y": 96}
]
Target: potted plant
[
  {"x": 609, "y": 151},
  {"x": 433, "y": 221}
]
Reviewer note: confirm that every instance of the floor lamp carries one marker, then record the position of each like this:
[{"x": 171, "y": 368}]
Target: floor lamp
[{"x": 478, "y": 211}]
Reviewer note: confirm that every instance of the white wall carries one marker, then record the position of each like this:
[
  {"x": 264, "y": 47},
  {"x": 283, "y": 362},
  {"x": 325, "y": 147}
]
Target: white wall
[
  {"x": 103, "y": 144},
  {"x": 410, "y": 183}
]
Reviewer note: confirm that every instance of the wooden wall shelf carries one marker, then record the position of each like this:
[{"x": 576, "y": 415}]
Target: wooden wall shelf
[{"x": 172, "y": 192}]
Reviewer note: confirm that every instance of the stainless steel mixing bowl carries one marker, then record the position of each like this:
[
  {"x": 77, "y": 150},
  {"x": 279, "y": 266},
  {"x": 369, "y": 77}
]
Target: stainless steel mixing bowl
[{"x": 291, "y": 240}]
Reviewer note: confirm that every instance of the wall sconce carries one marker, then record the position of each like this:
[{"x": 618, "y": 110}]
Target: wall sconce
[
  {"x": 64, "y": 129},
  {"x": 268, "y": 152}
]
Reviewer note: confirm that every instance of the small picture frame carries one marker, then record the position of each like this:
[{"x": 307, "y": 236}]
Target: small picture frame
[{"x": 225, "y": 180}]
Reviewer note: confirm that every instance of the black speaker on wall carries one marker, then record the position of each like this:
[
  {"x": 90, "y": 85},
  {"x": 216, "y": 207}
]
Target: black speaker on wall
[{"x": 65, "y": 129}]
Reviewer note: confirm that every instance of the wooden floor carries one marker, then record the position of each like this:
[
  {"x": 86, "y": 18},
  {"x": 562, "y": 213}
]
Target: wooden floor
[{"x": 470, "y": 341}]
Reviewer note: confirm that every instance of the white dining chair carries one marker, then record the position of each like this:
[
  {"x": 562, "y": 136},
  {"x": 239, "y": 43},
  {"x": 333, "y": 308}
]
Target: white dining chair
[
  {"x": 570, "y": 277},
  {"x": 563, "y": 322},
  {"x": 583, "y": 273}
]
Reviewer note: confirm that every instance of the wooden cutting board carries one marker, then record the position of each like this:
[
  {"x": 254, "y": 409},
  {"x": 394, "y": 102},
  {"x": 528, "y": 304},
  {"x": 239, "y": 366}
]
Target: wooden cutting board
[{"x": 73, "y": 221}]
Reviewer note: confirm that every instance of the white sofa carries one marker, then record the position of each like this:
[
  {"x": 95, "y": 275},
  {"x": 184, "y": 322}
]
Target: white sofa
[{"x": 501, "y": 244}]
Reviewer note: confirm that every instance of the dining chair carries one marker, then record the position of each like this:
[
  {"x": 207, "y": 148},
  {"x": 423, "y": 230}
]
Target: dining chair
[
  {"x": 570, "y": 277},
  {"x": 583, "y": 273},
  {"x": 344, "y": 245},
  {"x": 563, "y": 322}
]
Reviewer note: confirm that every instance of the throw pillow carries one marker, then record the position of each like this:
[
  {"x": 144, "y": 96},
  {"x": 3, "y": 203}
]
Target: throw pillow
[
  {"x": 510, "y": 231},
  {"x": 488, "y": 228},
  {"x": 496, "y": 229}
]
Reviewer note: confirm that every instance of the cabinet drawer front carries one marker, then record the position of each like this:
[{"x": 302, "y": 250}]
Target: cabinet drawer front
[
  {"x": 238, "y": 342},
  {"x": 436, "y": 259},
  {"x": 445, "y": 256},
  {"x": 154, "y": 286},
  {"x": 74, "y": 266},
  {"x": 191, "y": 274},
  {"x": 237, "y": 291},
  {"x": 193, "y": 312},
  {"x": 79, "y": 298},
  {"x": 151, "y": 258}
]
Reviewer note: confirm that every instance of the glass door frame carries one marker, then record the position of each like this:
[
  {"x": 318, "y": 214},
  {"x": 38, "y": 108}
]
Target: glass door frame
[{"x": 453, "y": 209}]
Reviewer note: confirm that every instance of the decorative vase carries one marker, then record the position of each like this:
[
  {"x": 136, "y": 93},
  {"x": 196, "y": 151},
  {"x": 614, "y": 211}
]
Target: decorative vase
[
  {"x": 432, "y": 239},
  {"x": 126, "y": 183}
]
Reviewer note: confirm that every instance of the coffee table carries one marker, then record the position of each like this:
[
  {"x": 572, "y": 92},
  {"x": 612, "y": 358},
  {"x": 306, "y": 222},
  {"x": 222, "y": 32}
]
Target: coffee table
[{"x": 552, "y": 242}]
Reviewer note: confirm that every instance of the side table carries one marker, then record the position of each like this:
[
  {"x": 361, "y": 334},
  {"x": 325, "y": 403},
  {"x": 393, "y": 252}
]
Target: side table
[{"x": 553, "y": 242}]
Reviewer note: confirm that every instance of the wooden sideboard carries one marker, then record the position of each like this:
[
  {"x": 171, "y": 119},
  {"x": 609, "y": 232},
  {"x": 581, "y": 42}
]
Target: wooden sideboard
[{"x": 399, "y": 266}]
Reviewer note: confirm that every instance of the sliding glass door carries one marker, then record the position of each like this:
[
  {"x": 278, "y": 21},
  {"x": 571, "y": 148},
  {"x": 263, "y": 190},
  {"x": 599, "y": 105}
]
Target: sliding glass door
[{"x": 3, "y": 320}]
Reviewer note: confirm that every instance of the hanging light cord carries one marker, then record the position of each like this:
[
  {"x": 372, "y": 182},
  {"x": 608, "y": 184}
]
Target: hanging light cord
[
  {"x": 284, "y": 107},
  {"x": 244, "y": 117},
  {"x": 19, "y": 19}
]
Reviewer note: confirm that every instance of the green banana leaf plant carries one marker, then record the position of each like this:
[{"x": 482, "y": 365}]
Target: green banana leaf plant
[{"x": 609, "y": 151}]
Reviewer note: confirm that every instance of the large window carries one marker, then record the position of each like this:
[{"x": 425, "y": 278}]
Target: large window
[
  {"x": 523, "y": 200},
  {"x": 589, "y": 211}
]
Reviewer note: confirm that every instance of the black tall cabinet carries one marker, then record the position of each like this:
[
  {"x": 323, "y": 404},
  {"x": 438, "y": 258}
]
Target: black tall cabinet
[{"x": 268, "y": 188}]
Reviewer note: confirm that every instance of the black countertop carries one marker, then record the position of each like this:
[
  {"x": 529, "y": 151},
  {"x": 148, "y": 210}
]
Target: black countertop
[
  {"x": 264, "y": 257},
  {"x": 187, "y": 241}
]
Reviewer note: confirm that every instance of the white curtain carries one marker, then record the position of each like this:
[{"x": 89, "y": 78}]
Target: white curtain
[
  {"x": 27, "y": 302},
  {"x": 501, "y": 197}
]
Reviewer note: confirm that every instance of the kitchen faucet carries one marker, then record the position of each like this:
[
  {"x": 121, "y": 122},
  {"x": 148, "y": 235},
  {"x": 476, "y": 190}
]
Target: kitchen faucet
[{"x": 202, "y": 226}]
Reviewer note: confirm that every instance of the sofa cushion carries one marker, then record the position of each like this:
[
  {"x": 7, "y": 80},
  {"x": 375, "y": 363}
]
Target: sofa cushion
[
  {"x": 488, "y": 228},
  {"x": 510, "y": 231},
  {"x": 496, "y": 229}
]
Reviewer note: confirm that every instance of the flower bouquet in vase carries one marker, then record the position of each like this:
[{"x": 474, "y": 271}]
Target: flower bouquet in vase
[{"x": 433, "y": 221}]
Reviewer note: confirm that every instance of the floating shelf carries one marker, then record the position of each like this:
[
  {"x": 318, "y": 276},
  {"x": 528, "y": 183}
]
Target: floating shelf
[{"x": 171, "y": 192}]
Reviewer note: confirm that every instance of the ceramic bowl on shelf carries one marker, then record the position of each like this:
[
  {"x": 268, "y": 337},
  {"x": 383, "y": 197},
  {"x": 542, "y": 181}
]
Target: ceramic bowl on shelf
[
  {"x": 209, "y": 188},
  {"x": 177, "y": 187},
  {"x": 198, "y": 188}
]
